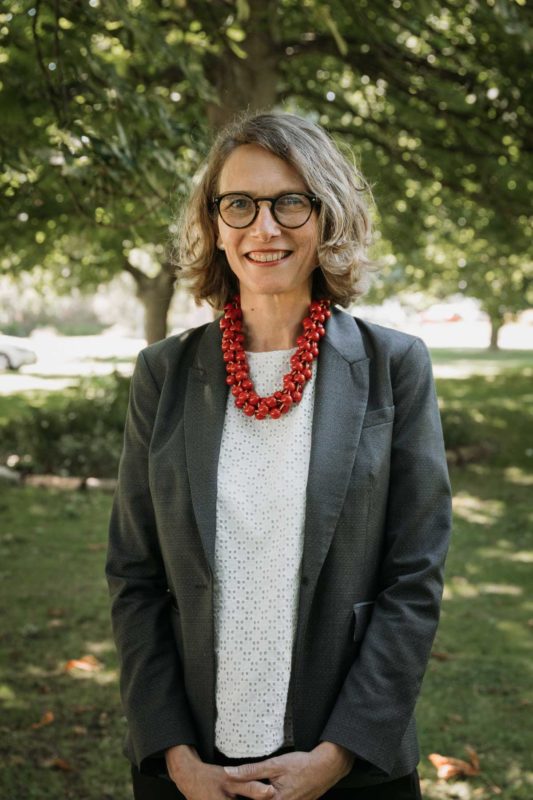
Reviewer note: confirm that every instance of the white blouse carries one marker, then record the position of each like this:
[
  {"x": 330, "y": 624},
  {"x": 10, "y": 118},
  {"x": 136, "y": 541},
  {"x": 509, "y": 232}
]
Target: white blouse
[{"x": 261, "y": 488}]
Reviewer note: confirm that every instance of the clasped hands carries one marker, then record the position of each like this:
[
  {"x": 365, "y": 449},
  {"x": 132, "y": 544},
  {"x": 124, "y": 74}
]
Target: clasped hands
[{"x": 292, "y": 776}]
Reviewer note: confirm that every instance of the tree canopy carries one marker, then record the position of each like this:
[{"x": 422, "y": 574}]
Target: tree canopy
[{"x": 108, "y": 109}]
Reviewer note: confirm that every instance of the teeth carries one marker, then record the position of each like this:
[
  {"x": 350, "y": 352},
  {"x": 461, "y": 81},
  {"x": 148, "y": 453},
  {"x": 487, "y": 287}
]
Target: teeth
[{"x": 268, "y": 256}]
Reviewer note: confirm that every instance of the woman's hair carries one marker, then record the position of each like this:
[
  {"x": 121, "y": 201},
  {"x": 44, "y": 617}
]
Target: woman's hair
[{"x": 344, "y": 225}]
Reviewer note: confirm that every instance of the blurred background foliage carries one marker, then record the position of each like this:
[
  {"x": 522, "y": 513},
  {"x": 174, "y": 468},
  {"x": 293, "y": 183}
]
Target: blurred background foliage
[{"x": 108, "y": 109}]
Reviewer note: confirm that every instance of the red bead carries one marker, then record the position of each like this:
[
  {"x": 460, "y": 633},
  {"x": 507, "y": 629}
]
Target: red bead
[
  {"x": 239, "y": 402},
  {"x": 240, "y": 375},
  {"x": 240, "y": 355},
  {"x": 308, "y": 373},
  {"x": 271, "y": 402},
  {"x": 315, "y": 350},
  {"x": 243, "y": 396},
  {"x": 315, "y": 306},
  {"x": 299, "y": 378},
  {"x": 296, "y": 397},
  {"x": 327, "y": 313},
  {"x": 301, "y": 341},
  {"x": 321, "y": 317},
  {"x": 224, "y": 323},
  {"x": 262, "y": 408},
  {"x": 247, "y": 384},
  {"x": 290, "y": 386},
  {"x": 307, "y": 357},
  {"x": 308, "y": 323},
  {"x": 254, "y": 398},
  {"x": 231, "y": 366},
  {"x": 249, "y": 410},
  {"x": 260, "y": 415},
  {"x": 230, "y": 380},
  {"x": 228, "y": 356},
  {"x": 314, "y": 336},
  {"x": 275, "y": 413},
  {"x": 236, "y": 390}
]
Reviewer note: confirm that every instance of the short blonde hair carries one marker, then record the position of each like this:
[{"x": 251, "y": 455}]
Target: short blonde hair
[{"x": 344, "y": 224}]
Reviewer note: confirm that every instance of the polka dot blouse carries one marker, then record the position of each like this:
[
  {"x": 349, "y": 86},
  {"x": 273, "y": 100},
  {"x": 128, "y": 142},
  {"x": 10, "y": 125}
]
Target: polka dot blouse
[{"x": 261, "y": 486}]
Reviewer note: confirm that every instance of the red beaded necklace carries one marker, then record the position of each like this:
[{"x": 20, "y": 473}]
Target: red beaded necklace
[{"x": 238, "y": 378}]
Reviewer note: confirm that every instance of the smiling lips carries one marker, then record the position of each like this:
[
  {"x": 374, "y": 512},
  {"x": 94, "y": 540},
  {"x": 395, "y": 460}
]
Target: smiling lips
[{"x": 267, "y": 256}]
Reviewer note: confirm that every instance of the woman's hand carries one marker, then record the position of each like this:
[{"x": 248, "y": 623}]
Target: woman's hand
[
  {"x": 200, "y": 781},
  {"x": 298, "y": 776}
]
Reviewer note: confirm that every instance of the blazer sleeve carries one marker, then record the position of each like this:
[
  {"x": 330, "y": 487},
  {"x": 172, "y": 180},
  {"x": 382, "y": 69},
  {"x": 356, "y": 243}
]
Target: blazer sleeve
[
  {"x": 378, "y": 696},
  {"x": 151, "y": 681}
]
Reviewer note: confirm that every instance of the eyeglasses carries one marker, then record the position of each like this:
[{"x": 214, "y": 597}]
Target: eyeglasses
[{"x": 238, "y": 210}]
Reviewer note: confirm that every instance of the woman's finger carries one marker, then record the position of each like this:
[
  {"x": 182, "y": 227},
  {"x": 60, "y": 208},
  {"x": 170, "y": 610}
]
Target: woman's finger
[
  {"x": 254, "y": 771},
  {"x": 254, "y": 789}
]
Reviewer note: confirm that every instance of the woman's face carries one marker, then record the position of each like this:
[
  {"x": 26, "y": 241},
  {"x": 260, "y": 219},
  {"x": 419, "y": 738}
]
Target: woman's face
[{"x": 255, "y": 171}]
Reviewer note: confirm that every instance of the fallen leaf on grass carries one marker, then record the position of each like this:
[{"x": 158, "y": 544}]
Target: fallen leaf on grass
[
  {"x": 87, "y": 663},
  {"x": 46, "y": 719},
  {"x": 440, "y": 656},
  {"x": 448, "y": 767},
  {"x": 96, "y": 546},
  {"x": 56, "y": 763},
  {"x": 79, "y": 730}
]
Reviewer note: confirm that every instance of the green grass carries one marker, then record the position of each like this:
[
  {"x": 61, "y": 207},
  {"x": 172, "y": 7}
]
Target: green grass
[
  {"x": 56, "y": 609},
  {"x": 477, "y": 691}
]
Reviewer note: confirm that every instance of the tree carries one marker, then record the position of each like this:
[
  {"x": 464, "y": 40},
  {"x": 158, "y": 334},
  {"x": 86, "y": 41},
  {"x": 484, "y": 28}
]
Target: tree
[{"x": 110, "y": 107}]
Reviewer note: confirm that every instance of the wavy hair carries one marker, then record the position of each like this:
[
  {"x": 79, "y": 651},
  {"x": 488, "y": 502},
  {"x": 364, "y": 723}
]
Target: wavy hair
[{"x": 344, "y": 224}]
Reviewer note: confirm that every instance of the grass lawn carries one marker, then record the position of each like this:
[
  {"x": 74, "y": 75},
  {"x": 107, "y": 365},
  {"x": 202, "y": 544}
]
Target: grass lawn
[{"x": 477, "y": 691}]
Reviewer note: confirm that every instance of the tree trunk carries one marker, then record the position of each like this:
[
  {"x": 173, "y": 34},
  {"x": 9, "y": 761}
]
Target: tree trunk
[
  {"x": 496, "y": 324},
  {"x": 156, "y": 295},
  {"x": 251, "y": 83}
]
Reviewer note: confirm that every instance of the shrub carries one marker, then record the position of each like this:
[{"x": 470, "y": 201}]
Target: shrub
[{"x": 81, "y": 435}]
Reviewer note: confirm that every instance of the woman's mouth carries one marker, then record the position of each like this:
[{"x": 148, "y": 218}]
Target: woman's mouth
[{"x": 267, "y": 256}]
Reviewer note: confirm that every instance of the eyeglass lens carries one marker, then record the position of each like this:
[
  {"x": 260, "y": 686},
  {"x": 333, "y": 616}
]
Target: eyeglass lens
[{"x": 290, "y": 210}]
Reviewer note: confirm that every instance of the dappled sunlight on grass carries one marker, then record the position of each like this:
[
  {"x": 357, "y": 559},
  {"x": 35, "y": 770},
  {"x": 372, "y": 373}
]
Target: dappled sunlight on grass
[
  {"x": 106, "y": 646},
  {"x": 477, "y": 510},
  {"x": 9, "y": 699},
  {"x": 518, "y": 475},
  {"x": 459, "y": 586},
  {"x": 522, "y": 556}
]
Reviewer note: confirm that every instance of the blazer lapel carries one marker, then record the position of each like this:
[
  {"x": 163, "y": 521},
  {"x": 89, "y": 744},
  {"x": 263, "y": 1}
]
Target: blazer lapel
[
  {"x": 341, "y": 396},
  {"x": 205, "y": 407}
]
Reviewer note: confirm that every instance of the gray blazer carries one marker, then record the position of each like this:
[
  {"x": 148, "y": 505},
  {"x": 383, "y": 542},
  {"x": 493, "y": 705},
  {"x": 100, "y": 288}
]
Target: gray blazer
[{"x": 376, "y": 534}]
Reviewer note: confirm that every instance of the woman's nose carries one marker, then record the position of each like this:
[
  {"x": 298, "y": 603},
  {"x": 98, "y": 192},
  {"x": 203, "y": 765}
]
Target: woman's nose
[{"x": 265, "y": 224}]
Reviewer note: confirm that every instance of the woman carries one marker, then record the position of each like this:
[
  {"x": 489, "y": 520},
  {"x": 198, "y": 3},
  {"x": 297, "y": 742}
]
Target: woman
[{"x": 283, "y": 509}]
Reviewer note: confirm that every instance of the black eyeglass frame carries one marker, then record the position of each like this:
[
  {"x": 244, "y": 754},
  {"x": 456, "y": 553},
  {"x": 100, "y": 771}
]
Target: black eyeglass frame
[{"x": 313, "y": 199}]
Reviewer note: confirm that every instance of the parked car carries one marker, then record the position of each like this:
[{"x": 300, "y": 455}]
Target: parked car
[{"x": 12, "y": 356}]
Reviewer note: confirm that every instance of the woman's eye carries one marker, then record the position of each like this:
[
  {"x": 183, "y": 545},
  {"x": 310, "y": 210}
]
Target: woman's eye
[
  {"x": 291, "y": 201},
  {"x": 238, "y": 203}
]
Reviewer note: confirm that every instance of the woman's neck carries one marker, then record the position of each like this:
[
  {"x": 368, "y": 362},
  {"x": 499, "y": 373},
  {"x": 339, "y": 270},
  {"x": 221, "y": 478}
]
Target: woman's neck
[{"x": 273, "y": 322}]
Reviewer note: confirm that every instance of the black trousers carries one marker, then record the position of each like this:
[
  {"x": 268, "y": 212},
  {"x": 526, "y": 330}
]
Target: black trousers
[{"x": 146, "y": 787}]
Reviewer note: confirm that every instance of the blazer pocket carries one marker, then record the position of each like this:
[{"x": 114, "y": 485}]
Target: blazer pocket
[
  {"x": 378, "y": 416},
  {"x": 362, "y": 615}
]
